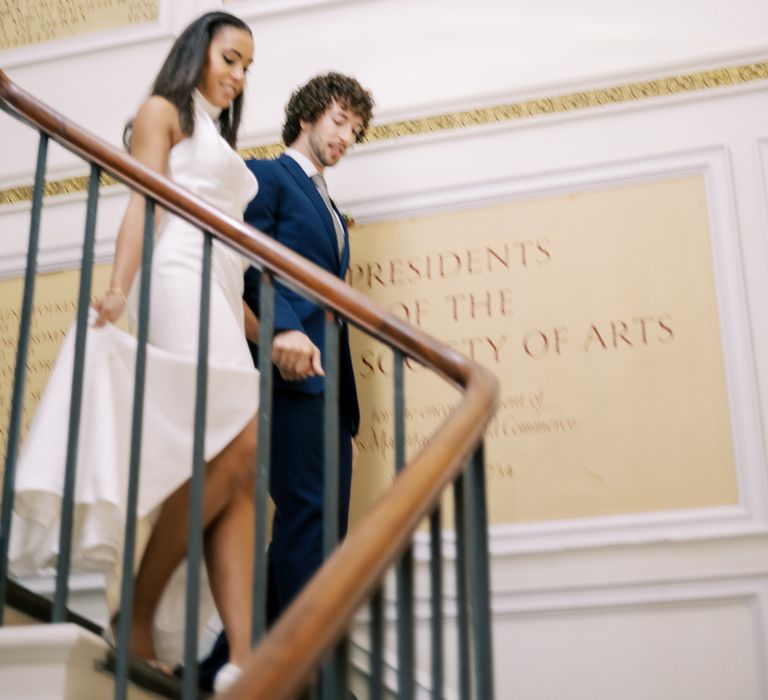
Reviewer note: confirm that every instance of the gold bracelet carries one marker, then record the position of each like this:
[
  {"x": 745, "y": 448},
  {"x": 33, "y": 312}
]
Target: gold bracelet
[{"x": 119, "y": 292}]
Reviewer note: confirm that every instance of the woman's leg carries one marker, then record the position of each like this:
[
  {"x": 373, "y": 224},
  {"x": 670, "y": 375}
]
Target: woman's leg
[
  {"x": 229, "y": 543},
  {"x": 228, "y": 486}
]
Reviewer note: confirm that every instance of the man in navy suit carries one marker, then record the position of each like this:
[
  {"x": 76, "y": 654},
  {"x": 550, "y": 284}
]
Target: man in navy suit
[{"x": 323, "y": 119}]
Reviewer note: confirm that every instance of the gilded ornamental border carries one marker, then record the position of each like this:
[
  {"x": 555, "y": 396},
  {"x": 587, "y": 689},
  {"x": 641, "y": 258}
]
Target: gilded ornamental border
[{"x": 568, "y": 102}]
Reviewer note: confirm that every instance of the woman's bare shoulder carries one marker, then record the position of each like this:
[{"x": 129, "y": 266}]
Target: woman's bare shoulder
[
  {"x": 156, "y": 109},
  {"x": 157, "y": 118}
]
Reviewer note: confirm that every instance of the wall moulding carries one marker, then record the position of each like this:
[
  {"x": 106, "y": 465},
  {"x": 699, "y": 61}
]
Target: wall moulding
[
  {"x": 747, "y": 516},
  {"x": 453, "y": 121},
  {"x": 251, "y": 9},
  {"x": 574, "y": 101},
  {"x": 747, "y": 595},
  {"x": 763, "y": 151}
]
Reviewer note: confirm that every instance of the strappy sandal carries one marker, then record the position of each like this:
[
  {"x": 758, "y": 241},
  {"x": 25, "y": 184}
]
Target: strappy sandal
[{"x": 109, "y": 634}]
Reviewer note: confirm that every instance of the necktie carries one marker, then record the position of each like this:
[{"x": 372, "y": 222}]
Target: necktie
[{"x": 319, "y": 181}]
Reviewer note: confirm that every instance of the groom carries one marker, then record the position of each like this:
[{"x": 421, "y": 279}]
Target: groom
[{"x": 323, "y": 119}]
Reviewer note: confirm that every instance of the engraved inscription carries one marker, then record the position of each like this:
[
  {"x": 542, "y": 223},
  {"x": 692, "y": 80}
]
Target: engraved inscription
[
  {"x": 27, "y": 22},
  {"x": 53, "y": 312},
  {"x": 608, "y": 365}
]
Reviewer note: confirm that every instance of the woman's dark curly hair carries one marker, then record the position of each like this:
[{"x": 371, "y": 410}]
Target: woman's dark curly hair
[
  {"x": 183, "y": 70},
  {"x": 308, "y": 103}
]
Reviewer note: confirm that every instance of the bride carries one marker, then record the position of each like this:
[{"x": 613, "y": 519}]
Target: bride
[{"x": 186, "y": 129}]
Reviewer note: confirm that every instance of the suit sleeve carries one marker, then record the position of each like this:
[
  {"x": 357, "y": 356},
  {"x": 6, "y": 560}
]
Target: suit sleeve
[{"x": 262, "y": 214}]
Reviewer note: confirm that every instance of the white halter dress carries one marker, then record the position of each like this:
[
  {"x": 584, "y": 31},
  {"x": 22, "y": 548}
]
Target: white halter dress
[{"x": 206, "y": 165}]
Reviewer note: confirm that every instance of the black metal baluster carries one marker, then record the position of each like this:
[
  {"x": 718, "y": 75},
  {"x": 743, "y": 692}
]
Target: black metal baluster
[
  {"x": 436, "y": 602},
  {"x": 406, "y": 648},
  {"x": 137, "y": 417},
  {"x": 17, "y": 401},
  {"x": 309, "y": 693},
  {"x": 195, "y": 534},
  {"x": 462, "y": 612},
  {"x": 376, "y": 671},
  {"x": 266, "y": 335},
  {"x": 334, "y": 672},
  {"x": 73, "y": 434},
  {"x": 479, "y": 579},
  {"x": 340, "y": 663},
  {"x": 331, "y": 435}
]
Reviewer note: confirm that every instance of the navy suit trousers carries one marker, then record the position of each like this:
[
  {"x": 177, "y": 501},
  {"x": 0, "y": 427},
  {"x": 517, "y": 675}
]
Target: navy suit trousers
[{"x": 296, "y": 487}]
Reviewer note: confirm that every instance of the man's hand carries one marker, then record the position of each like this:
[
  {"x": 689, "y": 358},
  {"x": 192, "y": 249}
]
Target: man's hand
[{"x": 296, "y": 356}]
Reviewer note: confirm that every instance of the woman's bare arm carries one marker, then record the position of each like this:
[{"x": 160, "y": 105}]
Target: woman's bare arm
[{"x": 155, "y": 131}]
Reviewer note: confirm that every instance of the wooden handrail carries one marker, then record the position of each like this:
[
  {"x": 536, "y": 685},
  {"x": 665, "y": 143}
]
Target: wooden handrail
[{"x": 318, "y": 618}]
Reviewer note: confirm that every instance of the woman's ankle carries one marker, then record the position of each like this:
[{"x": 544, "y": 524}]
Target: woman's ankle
[{"x": 238, "y": 659}]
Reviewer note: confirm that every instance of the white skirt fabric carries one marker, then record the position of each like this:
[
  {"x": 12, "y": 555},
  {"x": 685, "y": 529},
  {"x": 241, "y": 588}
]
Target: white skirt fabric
[
  {"x": 103, "y": 460},
  {"x": 205, "y": 165}
]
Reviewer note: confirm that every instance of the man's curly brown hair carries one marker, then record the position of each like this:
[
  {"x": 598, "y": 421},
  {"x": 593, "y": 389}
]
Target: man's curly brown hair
[{"x": 309, "y": 103}]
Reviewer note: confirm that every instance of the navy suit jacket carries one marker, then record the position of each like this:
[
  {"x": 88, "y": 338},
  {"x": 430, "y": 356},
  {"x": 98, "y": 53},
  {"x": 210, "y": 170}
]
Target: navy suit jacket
[{"x": 289, "y": 208}]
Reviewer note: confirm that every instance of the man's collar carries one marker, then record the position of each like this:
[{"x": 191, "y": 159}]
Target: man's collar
[{"x": 304, "y": 163}]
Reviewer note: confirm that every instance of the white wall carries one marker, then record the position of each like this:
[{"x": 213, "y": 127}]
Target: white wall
[
  {"x": 418, "y": 56},
  {"x": 656, "y": 605}
]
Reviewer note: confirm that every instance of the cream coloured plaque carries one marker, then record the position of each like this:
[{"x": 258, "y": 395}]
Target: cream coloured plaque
[{"x": 597, "y": 311}]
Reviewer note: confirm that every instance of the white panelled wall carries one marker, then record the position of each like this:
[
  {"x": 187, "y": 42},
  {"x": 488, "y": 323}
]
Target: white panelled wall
[{"x": 664, "y": 605}]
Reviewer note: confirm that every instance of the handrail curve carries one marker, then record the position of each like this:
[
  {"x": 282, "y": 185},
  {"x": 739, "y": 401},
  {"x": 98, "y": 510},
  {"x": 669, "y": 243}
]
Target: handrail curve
[{"x": 284, "y": 660}]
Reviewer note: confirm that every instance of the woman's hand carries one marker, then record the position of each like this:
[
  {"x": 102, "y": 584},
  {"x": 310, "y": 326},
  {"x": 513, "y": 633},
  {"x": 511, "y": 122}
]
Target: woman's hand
[{"x": 110, "y": 307}]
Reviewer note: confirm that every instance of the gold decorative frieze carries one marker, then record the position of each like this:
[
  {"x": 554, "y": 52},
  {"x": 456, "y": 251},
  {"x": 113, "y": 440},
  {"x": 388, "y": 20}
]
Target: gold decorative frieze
[
  {"x": 267, "y": 150},
  {"x": 28, "y": 22},
  {"x": 69, "y": 185},
  {"x": 568, "y": 102}
]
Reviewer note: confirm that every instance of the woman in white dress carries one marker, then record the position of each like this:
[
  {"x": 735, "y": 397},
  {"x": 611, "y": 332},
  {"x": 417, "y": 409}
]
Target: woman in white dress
[{"x": 186, "y": 129}]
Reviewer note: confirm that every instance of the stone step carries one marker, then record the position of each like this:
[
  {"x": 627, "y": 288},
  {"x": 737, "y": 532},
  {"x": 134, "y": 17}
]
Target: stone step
[{"x": 58, "y": 662}]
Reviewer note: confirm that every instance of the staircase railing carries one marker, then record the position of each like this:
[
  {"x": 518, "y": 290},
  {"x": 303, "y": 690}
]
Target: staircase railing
[{"x": 287, "y": 656}]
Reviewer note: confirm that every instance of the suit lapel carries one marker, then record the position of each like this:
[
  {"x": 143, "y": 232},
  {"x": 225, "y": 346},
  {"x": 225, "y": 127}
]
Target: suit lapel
[
  {"x": 345, "y": 253},
  {"x": 308, "y": 187}
]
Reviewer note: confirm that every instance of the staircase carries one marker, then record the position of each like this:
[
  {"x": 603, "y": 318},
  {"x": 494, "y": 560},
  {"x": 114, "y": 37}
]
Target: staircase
[
  {"x": 64, "y": 657},
  {"x": 69, "y": 660}
]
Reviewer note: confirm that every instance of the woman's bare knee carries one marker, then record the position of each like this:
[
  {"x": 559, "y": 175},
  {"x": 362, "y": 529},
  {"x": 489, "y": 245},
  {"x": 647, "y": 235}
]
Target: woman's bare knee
[{"x": 238, "y": 460}]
